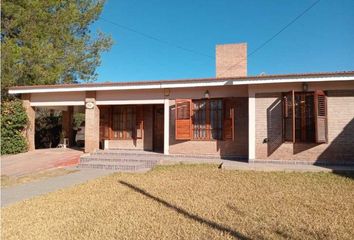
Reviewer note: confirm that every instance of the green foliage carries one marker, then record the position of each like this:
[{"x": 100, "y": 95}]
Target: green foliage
[
  {"x": 47, "y": 128},
  {"x": 13, "y": 122},
  {"x": 49, "y": 42},
  {"x": 78, "y": 119}
]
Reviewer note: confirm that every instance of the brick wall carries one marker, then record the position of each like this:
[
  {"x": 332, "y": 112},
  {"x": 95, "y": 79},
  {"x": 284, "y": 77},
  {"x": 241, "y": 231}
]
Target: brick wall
[
  {"x": 340, "y": 146},
  {"x": 238, "y": 147},
  {"x": 92, "y": 124},
  {"x": 231, "y": 60}
]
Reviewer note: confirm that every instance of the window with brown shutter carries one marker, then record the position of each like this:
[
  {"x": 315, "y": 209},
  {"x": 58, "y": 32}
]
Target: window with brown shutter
[
  {"x": 204, "y": 119},
  {"x": 183, "y": 119},
  {"x": 304, "y": 117},
  {"x": 207, "y": 119},
  {"x": 321, "y": 116}
]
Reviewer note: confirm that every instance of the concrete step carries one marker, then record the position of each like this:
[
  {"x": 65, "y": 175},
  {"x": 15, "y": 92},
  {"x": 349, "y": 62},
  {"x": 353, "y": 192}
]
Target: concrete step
[
  {"x": 126, "y": 152},
  {"x": 158, "y": 156},
  {"x": 118, "y": 157},
  {"x": 118, "y": 160},
  {"x": 121, "y": 166}
]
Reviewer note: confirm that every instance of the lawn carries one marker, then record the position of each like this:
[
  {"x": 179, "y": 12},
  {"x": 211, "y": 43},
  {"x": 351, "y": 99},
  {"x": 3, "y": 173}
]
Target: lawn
[{"x": 190, "y": 202}]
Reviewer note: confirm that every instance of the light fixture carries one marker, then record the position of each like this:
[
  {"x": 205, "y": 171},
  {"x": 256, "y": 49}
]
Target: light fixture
[
  {"x": 305, "y": 87},
  {"x": 166, "y": 92},
  {"x": 206, "y": 94}
]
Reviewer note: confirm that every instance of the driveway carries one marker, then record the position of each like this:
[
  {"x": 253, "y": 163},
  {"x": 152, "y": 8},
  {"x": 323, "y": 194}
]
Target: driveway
[
  {"x": 25, "y": 191},
  {"x": 38, "y": 160}
]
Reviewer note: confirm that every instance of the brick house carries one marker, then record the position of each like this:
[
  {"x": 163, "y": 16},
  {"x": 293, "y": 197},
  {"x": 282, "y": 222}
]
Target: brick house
[{"x": 305, "y": 118}]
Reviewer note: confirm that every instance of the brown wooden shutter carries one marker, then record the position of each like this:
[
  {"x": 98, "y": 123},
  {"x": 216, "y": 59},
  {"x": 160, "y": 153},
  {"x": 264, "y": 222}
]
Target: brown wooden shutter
[
  {"x": 183, "y": 122},
  {"x": 229, "y": 120},
  {"x": 320, "y": 117},
  {"x": 105, "y": 122},
  {"x": 289, "y": 116},
  {"x": 139, "y": 126}
]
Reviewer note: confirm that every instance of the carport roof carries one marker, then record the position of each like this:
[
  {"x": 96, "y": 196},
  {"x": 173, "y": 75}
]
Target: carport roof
[{"x": 182, "y": 83}]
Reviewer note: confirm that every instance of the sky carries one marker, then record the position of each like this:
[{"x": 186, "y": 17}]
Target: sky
[{"x": 322, "y": 40}]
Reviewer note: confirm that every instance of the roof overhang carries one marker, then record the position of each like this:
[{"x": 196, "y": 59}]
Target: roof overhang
[{"x": 349, "y": 76}]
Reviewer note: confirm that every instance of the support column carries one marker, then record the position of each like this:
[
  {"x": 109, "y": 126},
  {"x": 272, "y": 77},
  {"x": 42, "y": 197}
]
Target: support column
[
  {"x": 67, "y": 124},
  {"x": 166, "y": 141},
  {"x": 92, "y": 123},
  {"x": 31, "y": 114},
  {"x": 251, "y": 125}
]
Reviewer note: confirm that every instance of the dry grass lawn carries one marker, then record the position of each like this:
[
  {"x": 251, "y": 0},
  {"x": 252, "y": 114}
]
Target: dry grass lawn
[
  {"x": 7, "y": 181},
  {"x": 190, "y": 202}
]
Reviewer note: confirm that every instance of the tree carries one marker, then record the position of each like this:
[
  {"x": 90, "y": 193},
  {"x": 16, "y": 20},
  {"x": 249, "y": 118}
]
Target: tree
[
  {"x": 49, "y": 42},
  {"x": 13, "y": 122}
]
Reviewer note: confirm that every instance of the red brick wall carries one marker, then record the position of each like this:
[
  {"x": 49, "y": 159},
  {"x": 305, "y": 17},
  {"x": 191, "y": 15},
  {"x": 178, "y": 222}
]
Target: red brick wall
[
  {"x": 340, "y": 146},
  {"x": 238, "y": 147}
]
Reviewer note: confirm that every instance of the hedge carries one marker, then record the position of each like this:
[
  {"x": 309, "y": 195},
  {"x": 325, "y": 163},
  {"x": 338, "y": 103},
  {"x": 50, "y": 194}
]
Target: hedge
[{"x": 13, "y": 123}]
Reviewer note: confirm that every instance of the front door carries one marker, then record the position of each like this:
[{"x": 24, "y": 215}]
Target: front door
[{"x": 158, "y": 127}]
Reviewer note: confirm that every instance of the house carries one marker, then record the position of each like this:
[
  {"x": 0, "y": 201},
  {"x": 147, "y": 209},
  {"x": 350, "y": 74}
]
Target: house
[{"x": 299, "y": 118}]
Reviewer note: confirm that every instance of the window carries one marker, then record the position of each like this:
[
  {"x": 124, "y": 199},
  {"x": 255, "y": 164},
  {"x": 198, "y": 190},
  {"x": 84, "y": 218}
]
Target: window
[
  {"x": 123, "y": 122},
  {"x": 207, "y": 119},
  {"x": 216, "y": 119},
  {"x": 200, "y": 120},
  {"x": 304, "y": 117},
  {"x": 183, "y": 119}
]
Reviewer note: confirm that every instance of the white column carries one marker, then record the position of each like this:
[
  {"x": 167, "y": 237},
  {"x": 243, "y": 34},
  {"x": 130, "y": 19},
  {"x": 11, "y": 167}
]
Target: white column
[
  {"x": 166, "y": 138},
  {"x": 251, "y": 125}
]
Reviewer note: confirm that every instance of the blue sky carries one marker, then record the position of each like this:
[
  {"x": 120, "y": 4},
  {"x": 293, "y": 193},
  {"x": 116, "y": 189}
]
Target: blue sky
[{"x": 321, "y": 40}]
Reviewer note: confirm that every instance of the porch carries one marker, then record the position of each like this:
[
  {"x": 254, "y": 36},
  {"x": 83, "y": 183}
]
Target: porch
[{"x": 133, "y": 127}]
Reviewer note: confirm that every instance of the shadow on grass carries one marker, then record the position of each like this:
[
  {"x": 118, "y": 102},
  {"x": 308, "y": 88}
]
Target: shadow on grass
[{"x": 194, "y": 217}]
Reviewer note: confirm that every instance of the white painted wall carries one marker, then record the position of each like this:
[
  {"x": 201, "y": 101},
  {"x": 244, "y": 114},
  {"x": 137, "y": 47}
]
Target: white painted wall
[
  {"x": 251, "y": 125},
  {"x": 58, "y": 99}
]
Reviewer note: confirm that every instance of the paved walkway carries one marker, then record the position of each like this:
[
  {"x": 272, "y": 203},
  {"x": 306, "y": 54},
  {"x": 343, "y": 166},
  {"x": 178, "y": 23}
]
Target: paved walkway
[
  {"x": 234, "y": 165},
  {"x": 25, "y": 191},
  {"x": 257, "y": 166},
  {"x": 38, "y": 160}
]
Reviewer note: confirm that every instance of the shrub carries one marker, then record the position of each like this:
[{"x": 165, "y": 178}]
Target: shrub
[
  {"x": 78, "y": 119},
  {"x": 48, "y": 128},
  {"x": 13, "y": 122}
]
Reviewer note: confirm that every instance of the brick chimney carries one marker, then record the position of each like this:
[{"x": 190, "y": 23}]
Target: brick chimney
[{"x": 231, "y": 60}]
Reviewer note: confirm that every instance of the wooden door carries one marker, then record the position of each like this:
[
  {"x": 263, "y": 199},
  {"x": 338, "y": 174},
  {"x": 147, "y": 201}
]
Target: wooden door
[
  {"x": 105, "y": 122},
  {"x": 158, "y": 128}
]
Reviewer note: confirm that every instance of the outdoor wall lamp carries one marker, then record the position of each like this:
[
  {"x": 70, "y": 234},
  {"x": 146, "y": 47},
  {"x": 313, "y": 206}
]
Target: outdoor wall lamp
[
  {"x": 206, "y": 94},
  {"x": 305, "y": 87},
  {"x": 166, "y": 92}
]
